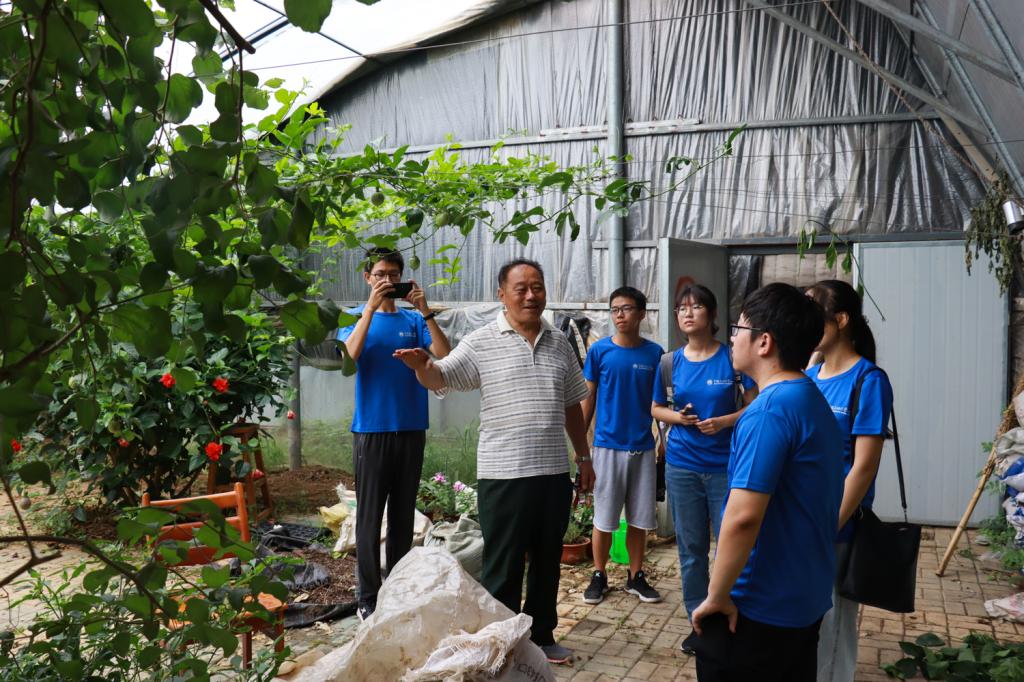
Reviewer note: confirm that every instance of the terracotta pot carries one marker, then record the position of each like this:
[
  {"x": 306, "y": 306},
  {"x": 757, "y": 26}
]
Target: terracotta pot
[{"x": 574, "y": 554}]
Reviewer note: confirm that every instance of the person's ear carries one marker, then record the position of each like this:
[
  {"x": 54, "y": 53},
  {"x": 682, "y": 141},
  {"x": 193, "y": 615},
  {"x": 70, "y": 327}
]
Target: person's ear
[
  {"x": 765, "y": 345},
  {"x": 366, "y": 278},
  {"x": 842, "y": 320}
]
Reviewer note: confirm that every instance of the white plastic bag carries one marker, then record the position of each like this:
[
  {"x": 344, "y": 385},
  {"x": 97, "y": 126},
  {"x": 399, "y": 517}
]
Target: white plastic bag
[
  {"x": 427, "y": 599},
  {"x": 1011, "y": 608}
]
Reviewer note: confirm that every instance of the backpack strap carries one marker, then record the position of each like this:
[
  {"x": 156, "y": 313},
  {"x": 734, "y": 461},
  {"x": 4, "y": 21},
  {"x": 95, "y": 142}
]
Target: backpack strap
[
  {"x": 852, "y": 410},
  {"x": 666, "y": 375},
  {"x": 737, "y": 390}
]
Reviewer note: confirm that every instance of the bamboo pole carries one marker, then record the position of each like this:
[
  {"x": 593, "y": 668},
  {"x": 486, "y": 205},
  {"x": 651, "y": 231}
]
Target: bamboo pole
[{"x": 1009, "y": 422}]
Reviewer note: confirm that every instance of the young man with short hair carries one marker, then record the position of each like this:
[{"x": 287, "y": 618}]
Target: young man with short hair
[
  {"x": 390, "y": 421},
  {"x": 620, "y": 373},
  {"x": 775, "y": 561}
]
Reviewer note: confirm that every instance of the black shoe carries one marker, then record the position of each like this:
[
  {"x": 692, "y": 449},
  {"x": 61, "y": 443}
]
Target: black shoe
[
  {"x": 598, "y": 587},
  {"x": 637, "y": 585},
  {"x": 687, "y": 649},
  {"x": 364, "y": 611}
]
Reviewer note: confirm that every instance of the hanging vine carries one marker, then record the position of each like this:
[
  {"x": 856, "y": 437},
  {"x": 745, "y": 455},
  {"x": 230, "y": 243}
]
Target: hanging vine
[{"x": 988, "y": 234}]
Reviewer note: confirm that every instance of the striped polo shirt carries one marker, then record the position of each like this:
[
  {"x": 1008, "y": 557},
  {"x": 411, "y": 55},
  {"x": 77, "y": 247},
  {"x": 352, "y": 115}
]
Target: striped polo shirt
[{"x": 524, "y": 391}]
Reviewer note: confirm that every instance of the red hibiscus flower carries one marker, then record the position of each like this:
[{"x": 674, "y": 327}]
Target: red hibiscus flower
[
  {"x": 15, "y": 445},
  {"x": 291, "y": 414},
  {"x": 122, "y": 442},
  {"x": 257, "y": 474},
  {"x": 220, "y": 384},
  {"x": 167, "y": 380},
  {"x": 213, "y": 451}
]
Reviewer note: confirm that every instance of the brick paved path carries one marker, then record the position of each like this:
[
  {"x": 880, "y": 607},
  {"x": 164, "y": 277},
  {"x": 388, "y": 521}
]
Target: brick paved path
[{"x": 623, "y": 639}]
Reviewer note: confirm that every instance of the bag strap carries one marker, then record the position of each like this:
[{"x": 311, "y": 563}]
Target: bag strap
[
  {"x": 853, "y": 408},
  {"x": 737, "y": 390},
  {"x": 666, "y": 375}
]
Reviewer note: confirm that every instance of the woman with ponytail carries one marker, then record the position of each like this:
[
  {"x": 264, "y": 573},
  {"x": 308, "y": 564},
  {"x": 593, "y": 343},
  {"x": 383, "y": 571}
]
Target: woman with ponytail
[{"x": 848, "y": 351}]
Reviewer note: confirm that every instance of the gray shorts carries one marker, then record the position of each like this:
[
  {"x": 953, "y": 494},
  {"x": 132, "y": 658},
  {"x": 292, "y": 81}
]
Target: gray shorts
[{"x": 624, "y": 479}]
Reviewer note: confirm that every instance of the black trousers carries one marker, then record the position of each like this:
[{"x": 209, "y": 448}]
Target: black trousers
[
  {"x": 387, "y": 468},
  {"x": 758, "y": 651},
  {"x": 520, "y": 517}
]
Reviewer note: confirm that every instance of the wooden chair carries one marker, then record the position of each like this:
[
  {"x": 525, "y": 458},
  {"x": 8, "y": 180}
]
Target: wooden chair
[{"x": 202, "y": 554}]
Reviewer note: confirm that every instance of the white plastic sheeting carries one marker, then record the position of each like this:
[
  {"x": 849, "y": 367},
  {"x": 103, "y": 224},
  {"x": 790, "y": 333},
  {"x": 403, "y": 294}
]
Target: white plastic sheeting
[{"x": 543, "y": 67}]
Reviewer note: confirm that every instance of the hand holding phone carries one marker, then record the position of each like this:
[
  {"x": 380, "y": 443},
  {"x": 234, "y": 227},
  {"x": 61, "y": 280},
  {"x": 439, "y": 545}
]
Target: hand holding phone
[
  {"x": 687, "y": 417},
  {"x": 399, "y": 290}
]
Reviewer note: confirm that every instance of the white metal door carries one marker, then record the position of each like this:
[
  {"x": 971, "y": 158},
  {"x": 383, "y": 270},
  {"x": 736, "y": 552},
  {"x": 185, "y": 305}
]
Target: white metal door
[
  {"x": 943, "y": 342},
  {"x": 681, "y": 261}
]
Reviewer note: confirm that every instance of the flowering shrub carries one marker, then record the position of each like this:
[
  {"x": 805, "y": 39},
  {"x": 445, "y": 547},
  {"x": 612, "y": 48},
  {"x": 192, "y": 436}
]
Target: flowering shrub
[
  {"x": 440, "y": 499},
  {"x": 160, "y": 422}
]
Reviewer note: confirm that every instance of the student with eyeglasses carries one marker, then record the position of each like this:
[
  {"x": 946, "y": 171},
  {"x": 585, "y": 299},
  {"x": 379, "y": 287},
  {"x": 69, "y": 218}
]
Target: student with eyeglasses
[
  {"x": 390, "y": 420},
  {"x": 619, "y": 371},
  {"x": 775, "y": 559},
  {"x": 707, "y": 397}
]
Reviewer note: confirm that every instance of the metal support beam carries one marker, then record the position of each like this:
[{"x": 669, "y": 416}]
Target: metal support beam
[
  {"x": 1005, "y": 156},
  {"x": 911, "y": 89},
  {"x": 948, "y": 42},
  {"x": 651, "y": 128},
  {"x": 616, "y": 139},
  {"x": 1002, "y": 41}
]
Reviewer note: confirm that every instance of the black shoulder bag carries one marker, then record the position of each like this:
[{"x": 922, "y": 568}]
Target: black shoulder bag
[{"x": 881, "y": 568}]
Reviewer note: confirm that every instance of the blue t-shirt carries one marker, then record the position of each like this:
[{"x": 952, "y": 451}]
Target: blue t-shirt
[
  {"x": 625, "y": 379},
  {"x": 872, "y": 417},
  {"x": 709, "y": 385},
  {"x": 388, "y": 397},
  {"x": 788, "y": 445}
]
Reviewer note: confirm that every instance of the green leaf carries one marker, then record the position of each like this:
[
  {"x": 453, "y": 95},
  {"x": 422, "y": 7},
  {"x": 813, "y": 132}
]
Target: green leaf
[
  {"x": 72, "y": 190},
  {"x": 149, "y": 329},
  {"x": 186, "y": 379},
  {"x": 912, "y": 649},
  {"x": 207, "y": 66},
  {"x": 226, "y": 98},
  {"x": 309, "y": 15},
  {"x": 110, "y": 205},
  {"x": 301, "y": 223},
  {"x": 263, "y": 268},
  {"x": 185, "y": 94},
  {"x": 131, "y": 17},
  {"x": 153, "y": 277},
  {"x": 12, "y": 269},
  {"x": 190, "y": 135},
  {"x": 302, "y": 319},
  {"x": 214, "y": 285},
  {"x": 87, "y": 410},
  {"x": 930, "y": 639},
  {"x": 17, "y": 402},
  {"x": 216, "y": 577},
  {"x": 35, "y": 472}
]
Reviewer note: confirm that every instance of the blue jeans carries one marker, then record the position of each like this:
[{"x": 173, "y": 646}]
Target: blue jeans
[{"x": 696, "y": 501}]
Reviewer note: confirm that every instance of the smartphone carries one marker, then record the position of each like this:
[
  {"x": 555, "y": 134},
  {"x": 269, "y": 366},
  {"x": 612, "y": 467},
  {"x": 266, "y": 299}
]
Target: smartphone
[{"x": 401, "y": 290}]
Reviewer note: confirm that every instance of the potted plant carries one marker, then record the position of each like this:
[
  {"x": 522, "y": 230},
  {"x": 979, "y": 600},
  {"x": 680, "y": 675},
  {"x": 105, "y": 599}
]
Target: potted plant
[
  {"x": 439, "y": 500},
  {"x": 576, "y": 541}
]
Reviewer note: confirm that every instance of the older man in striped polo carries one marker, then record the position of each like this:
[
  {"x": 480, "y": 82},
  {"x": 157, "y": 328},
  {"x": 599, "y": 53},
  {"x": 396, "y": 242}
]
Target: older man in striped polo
[{"x": 530, "y": 392}]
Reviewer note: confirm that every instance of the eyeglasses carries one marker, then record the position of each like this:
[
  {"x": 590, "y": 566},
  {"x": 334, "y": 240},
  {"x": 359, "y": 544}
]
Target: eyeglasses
[
  {"x": 624, "y": 309},
  {"x": 734, "y": 329},
  {"x": 393, "y": 275},
  {"x": 696, "y": 308}
]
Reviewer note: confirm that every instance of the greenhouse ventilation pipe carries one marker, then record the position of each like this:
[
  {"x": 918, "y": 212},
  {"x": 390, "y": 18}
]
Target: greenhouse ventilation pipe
[{"x": 616, "y": 139}]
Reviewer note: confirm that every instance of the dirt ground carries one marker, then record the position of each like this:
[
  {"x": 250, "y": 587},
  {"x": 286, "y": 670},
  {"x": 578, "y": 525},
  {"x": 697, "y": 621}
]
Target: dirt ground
[{"x": 306, "y": 489}]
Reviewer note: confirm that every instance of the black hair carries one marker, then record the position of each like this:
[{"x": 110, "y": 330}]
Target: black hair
[
  {"x": 836, "y": 296},
  {"x": 700, "y": 294},
  {"x": 381, "y": 254},
  {"x": 629, "y": 292},
  {"x": 515, "y": 263},
  {"x": 794, "y": 320}
]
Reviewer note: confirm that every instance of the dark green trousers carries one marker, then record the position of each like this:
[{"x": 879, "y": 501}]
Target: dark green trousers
[{"x": 523, "y": 517}]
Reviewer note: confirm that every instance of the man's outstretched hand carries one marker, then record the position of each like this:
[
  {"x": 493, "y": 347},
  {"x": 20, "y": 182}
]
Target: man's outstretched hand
[{"x": 415, "y": 359}]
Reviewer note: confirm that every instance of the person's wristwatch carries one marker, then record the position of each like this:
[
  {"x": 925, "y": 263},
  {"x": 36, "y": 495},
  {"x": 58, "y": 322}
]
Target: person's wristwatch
[
  {"x": 429, "y": 316},
  {"x": 582, "y": 459}
]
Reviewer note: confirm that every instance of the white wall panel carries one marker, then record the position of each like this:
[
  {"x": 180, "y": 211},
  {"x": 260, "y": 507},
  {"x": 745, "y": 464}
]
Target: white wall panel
[{"x": 943, "y": 343}]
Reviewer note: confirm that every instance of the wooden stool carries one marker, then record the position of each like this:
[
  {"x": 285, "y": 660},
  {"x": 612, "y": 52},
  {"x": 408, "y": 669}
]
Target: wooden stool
[{"x": 245, "y": 433}]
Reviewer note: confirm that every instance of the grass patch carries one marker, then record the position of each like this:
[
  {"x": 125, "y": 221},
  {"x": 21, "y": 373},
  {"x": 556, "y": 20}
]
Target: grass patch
[{"x": 452, "y": 452}]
